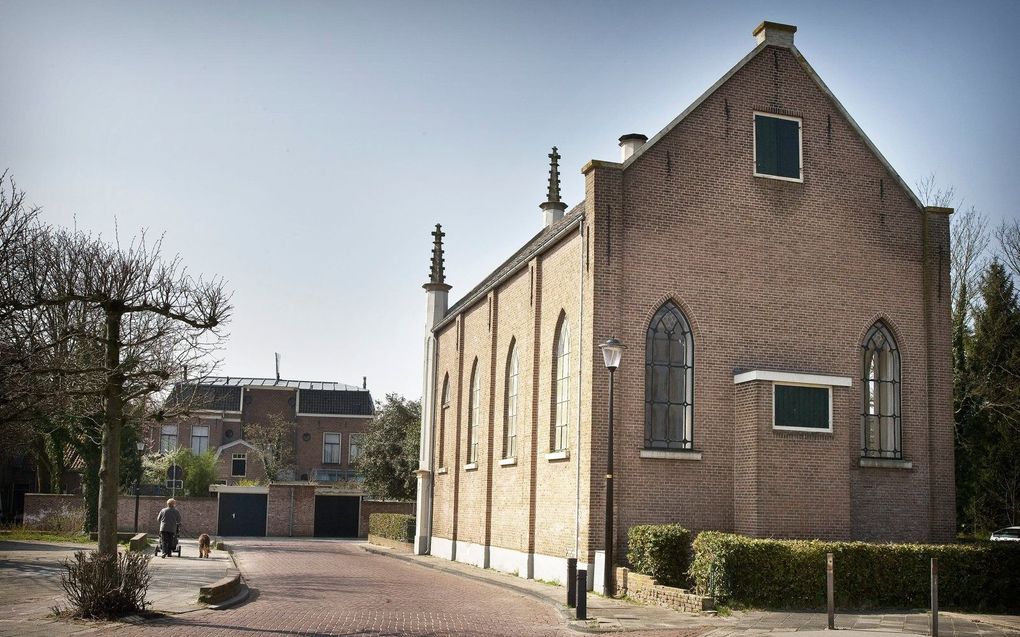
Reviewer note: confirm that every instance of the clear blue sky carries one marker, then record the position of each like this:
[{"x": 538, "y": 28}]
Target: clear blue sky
[{"x": 303, "y": 150}]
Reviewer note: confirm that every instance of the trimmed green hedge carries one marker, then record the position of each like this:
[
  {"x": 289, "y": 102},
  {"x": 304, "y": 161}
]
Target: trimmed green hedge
[
  {"x": 791, "y": 573},
  {"x": 662, "y": 551},
  {"x": 395, "y": 526}
]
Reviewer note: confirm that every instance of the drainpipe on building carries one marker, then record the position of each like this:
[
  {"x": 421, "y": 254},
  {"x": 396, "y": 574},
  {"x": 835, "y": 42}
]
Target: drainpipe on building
[
  {"x": 580, "y": 377},
  {"x": 291, "y": 527}
]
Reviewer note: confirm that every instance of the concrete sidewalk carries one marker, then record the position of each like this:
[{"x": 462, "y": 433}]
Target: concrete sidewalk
[
  {"x": 176, "y": 580},
  {"x": 613, "y": 615}
]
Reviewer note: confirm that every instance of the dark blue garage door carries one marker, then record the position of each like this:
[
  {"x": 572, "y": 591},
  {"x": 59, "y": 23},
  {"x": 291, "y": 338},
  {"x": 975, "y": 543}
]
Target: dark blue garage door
[
  {"x": 337, "y": 515},
  {"x": 243, "y": 514}
]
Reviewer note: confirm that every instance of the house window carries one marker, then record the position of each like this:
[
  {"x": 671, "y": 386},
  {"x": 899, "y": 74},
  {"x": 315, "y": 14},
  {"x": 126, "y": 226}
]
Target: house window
[
  {"x": 510, "y": 423},
  {"x": 561, "y": 418},
  {"x": 669, "y": 380},
  {"x": 802, "y": 407},
  {"x": 330, "y": 448},
  {"x": 199, "y": 439},
  {"x": 444, "y": 406},
  {"x": 239, "y": 465},
  {"x": 777, "y": 147},
  {"x": 474, "y": 414},
  {"x": 880, "y": 436},
  {"x": 356, "y": 448},
  {"x": 168, "y": 438}
]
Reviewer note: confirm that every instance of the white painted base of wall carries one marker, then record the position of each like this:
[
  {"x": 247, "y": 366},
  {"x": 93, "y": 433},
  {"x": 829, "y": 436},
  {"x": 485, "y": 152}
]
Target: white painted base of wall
[
  {"x": 510, "y": 561},
  {"x": 600, "y": 570},
  {"x": 473, "y": 554},
  {"x": 442, "y": 547},
  {"x": 525, "y": 565}
]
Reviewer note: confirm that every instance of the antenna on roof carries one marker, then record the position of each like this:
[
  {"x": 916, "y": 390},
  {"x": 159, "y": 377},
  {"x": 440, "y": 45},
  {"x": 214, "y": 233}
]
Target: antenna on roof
[
  {"x": 277, "y": 354},
  {"x": 364, "y": 382}
]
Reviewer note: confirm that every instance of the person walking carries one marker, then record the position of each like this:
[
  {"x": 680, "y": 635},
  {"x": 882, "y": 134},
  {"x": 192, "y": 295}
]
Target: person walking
[{"x": 169, "y": 520}]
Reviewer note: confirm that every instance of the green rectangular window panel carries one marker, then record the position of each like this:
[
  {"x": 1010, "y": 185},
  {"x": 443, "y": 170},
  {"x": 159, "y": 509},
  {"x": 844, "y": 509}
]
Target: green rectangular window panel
[
  {"x": 777, "y": 146},
  {"x": 802, "y": 407}
]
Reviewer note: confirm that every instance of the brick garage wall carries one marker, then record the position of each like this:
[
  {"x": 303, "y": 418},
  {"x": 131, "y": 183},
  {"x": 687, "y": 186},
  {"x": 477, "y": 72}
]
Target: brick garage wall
[
  {"x": 368, "y": 507},
  {"x": 285, "y": 498},
  {"x": 200, "y": 515}
]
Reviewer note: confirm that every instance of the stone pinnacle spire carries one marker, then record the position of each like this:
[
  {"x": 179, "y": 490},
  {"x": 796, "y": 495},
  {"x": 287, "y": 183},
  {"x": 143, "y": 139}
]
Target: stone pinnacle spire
[
  {"x": 553, "y": 208},
  {"x": 437, "y": 273}
]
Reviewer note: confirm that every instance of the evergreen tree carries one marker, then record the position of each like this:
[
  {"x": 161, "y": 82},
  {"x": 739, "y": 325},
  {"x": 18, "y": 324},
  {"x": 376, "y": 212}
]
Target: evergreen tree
[
  {"x": 994, "y": 430},
  {"x": 389, "y": 458}
]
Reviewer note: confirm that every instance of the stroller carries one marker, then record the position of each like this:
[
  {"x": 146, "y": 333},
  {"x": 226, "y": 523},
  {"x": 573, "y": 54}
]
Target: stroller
[{"x": 174, "y": 547}]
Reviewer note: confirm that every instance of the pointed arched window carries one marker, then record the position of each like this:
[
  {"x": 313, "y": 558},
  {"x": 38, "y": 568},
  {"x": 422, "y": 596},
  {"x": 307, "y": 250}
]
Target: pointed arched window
[
  {"x": 669, "y": 380},
  {"x": 474, "y": 414},
  {"x": 880, "y": 435},
  {"x": 510, "y": 417},
  {"x": 561, "y": 375},
  {"x": 444, "y": 406}
]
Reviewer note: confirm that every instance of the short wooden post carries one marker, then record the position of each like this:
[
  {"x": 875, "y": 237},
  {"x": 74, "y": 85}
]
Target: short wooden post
[
  {"x": 934, "y": 597},
  {"x": 581, "y": 610},
  {"x": 829, "y": 595},
  {"x": 571, "y": 581}
]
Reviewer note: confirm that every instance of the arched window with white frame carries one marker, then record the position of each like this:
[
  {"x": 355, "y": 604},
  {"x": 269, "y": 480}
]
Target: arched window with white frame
[
  {"x": 561, "y": 387},
  {"x": 474, "y": 414},
  {"x": 880, "y": 417},
  {"x": 510, "y": 415}
]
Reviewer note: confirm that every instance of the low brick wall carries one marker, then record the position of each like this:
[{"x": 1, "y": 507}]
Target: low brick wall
[
  {"x": 200, "y": 514},
  {"x": 368, "y": 507},
  {"x": 645, "y": 589}
]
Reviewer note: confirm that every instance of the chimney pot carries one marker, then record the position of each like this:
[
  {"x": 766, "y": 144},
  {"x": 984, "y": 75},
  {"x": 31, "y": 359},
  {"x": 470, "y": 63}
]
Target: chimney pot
[
  {"x": 775, "y": 33},
  {"x": 629, "y": 144}
]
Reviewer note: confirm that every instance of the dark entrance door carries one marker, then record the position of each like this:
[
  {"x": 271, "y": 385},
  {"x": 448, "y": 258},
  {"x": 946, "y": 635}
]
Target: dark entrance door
[
  {"x": 243, "y": 514},
  {"x": 337, "y": 515}
]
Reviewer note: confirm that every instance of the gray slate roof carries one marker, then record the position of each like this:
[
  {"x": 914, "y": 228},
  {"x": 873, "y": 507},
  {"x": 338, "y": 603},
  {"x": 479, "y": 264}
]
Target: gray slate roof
[
  {"x": 519, "y": 258},
  {"x": 240, "y": 381}
]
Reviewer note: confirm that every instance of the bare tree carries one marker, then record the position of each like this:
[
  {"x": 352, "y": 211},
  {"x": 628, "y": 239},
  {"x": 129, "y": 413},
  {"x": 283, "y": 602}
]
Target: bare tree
[
  {"x": 273, "y": 439},
  {"x": 97, "y": 328},
  {"x": 1008, "y": 235}
]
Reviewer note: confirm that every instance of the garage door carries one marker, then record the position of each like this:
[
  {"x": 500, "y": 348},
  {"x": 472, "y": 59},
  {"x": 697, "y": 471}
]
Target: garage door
[
  {"x": 337, "y": 515},
  {"x": 243, "y": 514}
]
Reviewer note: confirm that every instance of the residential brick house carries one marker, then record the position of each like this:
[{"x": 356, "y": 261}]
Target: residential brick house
[
  {"x": 327, "y": 422},
  {"x": 784, "y": 298}
]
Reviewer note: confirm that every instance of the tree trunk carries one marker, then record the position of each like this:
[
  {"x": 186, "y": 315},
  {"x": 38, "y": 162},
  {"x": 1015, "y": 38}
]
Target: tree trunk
[{"x": 109, "y": 466}]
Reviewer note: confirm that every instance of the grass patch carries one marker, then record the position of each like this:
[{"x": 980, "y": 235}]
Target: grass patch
[{"x": 18, "y": 534}]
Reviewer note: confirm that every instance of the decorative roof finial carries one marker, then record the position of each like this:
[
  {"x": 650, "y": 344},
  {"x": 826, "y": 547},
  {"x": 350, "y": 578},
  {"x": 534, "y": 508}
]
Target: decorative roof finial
[
  {"x": 553, "y": 208},
  {"x": 554, "y": 176},
  {"x": 437, "y": 273}
]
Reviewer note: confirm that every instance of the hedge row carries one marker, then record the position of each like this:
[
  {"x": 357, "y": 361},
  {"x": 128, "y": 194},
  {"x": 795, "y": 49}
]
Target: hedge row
[
  {"x": 395, "y": 526},
  {"x": 662, "y": 551},
  {"x": 791, "y": 573}
]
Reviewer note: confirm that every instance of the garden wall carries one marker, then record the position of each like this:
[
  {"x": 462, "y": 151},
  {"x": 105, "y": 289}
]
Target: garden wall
[{"x": 47, "y": 510}]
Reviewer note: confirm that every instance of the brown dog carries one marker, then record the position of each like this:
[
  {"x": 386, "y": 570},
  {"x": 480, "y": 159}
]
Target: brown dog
[{"x": 203, "y": 545}]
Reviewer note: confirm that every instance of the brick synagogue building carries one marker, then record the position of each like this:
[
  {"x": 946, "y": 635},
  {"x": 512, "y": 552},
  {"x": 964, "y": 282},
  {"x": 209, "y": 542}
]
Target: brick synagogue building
[{"x": 784, "y": 298}]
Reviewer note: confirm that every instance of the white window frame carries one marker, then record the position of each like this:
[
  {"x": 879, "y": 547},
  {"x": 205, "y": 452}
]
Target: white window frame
[
  {"x": 754, "y": 145},
  {"x": 206, "y": 436},
  {"x": 163, "y": 433},
  {"x": 339, "y": 446},
  {"x": 561, "y": 420},
  {"x": 512, "y": 392},
  {"x": 818, "y": 430},
  {"x": 474, "y": 414},
  {"x": 233, "y": 458}
]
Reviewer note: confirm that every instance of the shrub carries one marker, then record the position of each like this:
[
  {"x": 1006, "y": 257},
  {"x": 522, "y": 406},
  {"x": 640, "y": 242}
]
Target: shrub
[
  {"x": 199, "y": 472},
  {"x": 395, "y": 526},
  {"x": 661, "y": 551},
  {"x": 106, "y": 586},
  {"x": 791, "y": 573}
]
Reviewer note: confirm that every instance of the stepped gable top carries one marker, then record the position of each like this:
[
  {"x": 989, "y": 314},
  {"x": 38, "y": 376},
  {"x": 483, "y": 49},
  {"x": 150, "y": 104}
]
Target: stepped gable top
[{"x": 545, "y": 237}]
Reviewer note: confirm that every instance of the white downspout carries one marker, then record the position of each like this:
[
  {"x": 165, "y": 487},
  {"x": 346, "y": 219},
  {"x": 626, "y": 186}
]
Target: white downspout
[{"x": 580, "y": 376}]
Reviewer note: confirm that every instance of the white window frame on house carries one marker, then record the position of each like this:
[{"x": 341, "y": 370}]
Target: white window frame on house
[
  {"x": 512, "y": 387},
  {"x": 819, "y": 430},
  {"x": 168, "y": 436},
  {"x": 234, "y": 458},
  {"x": 332, "y": 447},
  {"x": 474, "y": 415},
  {"x": 354, "y": 441},
  {"x": 200, "y": 447},
  {"x": 754, "y": 145}
]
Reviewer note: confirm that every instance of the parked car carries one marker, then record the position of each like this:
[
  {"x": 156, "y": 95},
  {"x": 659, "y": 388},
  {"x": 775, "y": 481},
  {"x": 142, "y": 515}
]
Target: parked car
[{"x": 1008, "y": 534}]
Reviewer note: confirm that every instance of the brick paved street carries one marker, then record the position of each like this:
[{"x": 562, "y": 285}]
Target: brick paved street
[{"x": 308, "y": 587}]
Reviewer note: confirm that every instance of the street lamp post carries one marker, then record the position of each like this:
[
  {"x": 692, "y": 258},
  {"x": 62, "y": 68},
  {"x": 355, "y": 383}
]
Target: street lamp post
[
  {"x": 612, "y": 352},
  {"x": 140, "y": 445}
]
